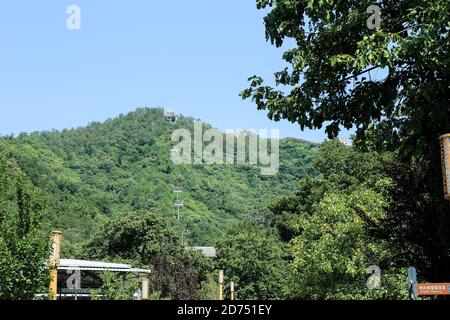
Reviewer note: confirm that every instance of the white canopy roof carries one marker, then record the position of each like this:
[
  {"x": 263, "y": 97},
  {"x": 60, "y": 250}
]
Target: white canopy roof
[{"x": 72, "y": 264}]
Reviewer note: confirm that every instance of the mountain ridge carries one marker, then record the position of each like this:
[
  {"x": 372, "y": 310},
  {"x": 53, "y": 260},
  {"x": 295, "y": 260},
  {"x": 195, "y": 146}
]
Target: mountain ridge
[{"x": 92, "y": 174}]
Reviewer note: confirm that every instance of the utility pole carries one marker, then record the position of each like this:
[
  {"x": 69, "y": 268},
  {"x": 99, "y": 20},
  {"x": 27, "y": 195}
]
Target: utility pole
[
  {"x": 178, "y": 203},
  {"x": 144, "y": 288},
  {"x": 232, "y": 290},
  {"x": 183, "y": 241},
  {"x": 445, "y": 157},
  {"x": 220, "y": 284}
]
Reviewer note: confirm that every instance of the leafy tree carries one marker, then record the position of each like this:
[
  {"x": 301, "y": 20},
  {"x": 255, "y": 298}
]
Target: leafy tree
[
  {"x": 338, "y": 169},
  {"x": 328, "y": 81},
  {"x": 23, "y": 248},
  {"x": 418, "y": 236},
  {"x": 335, "y": 248},
  {"x": 144, "y": 238},
  {"x": 335, "y": 226},
  {"x": 255, "y": 260},
  {"x": 209, "y": 288},
  {"x": 115, "y": 288},
  {"x": 390, "y": 84}
]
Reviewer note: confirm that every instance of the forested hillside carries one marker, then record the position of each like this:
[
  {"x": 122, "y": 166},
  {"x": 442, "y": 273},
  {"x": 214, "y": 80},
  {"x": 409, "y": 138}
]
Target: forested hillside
[{"x": 94, "y": 174}]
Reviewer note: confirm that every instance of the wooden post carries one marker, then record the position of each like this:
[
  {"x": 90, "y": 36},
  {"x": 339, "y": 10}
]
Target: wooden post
[
  {"x": 220, "y": 284},
  {"x": 232, "y": 290},
  {"x": 445, "y": 157},
  {"x": 53, "y": 286},
  {"x": 53, "y": 264},
  {"x": 145, "y": 287}
]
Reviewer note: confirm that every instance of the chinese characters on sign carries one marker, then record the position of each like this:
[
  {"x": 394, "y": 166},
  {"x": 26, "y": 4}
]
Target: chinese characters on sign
[
  {"x": 445, "y": 156},
  {"x": 431, "y": 289}
]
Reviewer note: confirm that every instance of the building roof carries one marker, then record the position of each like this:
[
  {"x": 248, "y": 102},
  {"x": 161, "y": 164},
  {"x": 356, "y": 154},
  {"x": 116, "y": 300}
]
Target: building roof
[
  {"x": 73, "y": 264},
  {"x": 209, "y": 252}
]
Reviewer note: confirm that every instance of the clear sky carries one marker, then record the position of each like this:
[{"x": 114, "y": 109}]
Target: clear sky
[{"x": 192, "y": 56}]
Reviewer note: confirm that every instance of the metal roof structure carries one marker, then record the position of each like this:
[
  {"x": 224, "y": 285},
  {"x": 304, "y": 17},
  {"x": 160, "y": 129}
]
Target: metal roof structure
[
  {"x": 84, "y": 265},
  {"x": 89, "y": 277}
]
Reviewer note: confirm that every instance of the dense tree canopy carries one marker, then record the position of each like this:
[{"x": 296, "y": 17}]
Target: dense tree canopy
[
  {"x": 24, "y": 248},
  {"x": 92, "y": 175},
  {"x": 335, "y": 226},
  {"x": 391, "y": 85},
  {"x": 331, "y": 78},
  {"x": 256, "y": 261},
  {"x": 145, "y": 239},
  {"x": 115, "y": 287}
]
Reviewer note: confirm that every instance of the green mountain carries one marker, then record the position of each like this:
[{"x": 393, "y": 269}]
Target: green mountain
[{"x": 92, "y": 174}]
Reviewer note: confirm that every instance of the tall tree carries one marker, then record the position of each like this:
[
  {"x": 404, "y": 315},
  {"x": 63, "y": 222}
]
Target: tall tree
[
  {"x": 23, "y": 247},
  {"x": 335, "y": 226},
  {"x": 256, "y": 261},
  {"x": 115, "y": 287},
  {"x": 390, "y": 83},
  {"x": 145, "y": 238},
  {"x": 331, "y": 79}
]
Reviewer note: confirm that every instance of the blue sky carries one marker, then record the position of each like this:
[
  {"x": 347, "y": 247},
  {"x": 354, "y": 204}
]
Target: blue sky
[{"x": 192, "y": 56}]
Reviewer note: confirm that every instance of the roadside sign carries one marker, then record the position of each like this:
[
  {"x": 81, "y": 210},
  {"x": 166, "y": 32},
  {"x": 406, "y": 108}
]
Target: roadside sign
[
  {"x": 445, "y": 157},
  {"x": 433, "y": 289}
]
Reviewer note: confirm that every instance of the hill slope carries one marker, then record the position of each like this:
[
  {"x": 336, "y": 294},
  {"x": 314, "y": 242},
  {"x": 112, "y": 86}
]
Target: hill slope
[{"x": 96, "y": 173}]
